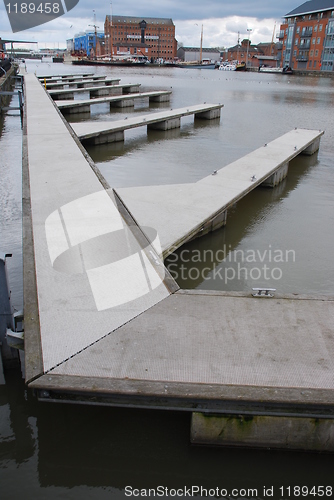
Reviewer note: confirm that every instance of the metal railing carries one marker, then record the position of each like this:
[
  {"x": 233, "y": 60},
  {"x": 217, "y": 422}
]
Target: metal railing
[{"x": 19, "y": 93}]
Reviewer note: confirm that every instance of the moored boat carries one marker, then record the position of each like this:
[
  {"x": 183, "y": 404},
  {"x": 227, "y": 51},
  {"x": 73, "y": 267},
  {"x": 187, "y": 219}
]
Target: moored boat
[
  {"x": 58, "y": 59},
  {"x": 270, "y": 69},
  {"x": 197, "y": 65},
  {"x": 228, "y": 67},
  {"x": 116, "y": 62},
  {"x": 241, "y": 66}
]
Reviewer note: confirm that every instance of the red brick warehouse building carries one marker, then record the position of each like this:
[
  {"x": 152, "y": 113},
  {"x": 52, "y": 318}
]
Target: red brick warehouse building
[
  {"x": 307, "y": 35},
  {"x": 153, "y": 38}
]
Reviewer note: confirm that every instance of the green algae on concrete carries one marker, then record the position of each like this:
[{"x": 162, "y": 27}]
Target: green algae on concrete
[{"x": 295, "y": 433}]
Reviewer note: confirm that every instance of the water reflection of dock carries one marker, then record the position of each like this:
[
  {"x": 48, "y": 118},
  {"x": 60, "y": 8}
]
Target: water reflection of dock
[{"x": 110, "y": 326}]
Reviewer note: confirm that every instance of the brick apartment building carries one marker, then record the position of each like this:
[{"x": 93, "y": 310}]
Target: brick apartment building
[
  {"x": 307, "y": 35},
  {"x": 153, "y": 38}
]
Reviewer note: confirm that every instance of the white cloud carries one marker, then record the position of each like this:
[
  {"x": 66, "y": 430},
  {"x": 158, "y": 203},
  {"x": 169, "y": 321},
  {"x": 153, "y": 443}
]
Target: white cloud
[
  {"x": 223, "y": 32},
  {"x": 217, "y": 32},
  {"x": 236, "y": 25}
]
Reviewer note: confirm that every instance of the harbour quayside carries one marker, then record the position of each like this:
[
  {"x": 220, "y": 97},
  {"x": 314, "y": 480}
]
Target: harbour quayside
[{"x": 127, "y": 61}]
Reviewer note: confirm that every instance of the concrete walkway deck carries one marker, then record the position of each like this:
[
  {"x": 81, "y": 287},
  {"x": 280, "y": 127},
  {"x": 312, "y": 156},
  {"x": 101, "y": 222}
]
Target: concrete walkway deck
[
  {"x": 203, "y": 204},
  {"x": 67, "y": 79},
  {"x": 123, "y": 101},
  {"x": 84, "y": 248},
  {"x": 100, "y": 133},
  {"x": 218, "y": 346},
  {"x": 66, "y": 75},
  {"x": 80, "y": 83}
]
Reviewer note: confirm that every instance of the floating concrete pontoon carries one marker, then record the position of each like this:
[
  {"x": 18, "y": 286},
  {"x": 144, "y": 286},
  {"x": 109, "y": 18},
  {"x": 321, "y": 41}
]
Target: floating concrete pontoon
[
  {"x": 106, "y": 324},
  {"x": 204, "y": 204},
  {"x": 68, "y": 75},
  {"x": 80, "y": 83},
  {"x": 70, "y": 217},
  {"x": 107, "y": 90},
  {"x": 72, "y": 79},
  {"x": 123, "y": 101},
  {"x": 100, "y": 133}
]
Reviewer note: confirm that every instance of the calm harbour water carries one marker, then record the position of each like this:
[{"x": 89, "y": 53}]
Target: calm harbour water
[{"x": 80, "y": 452}]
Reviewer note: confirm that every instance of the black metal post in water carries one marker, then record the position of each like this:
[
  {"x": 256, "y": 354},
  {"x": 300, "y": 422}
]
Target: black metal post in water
[{"x": 6, "y": 317}]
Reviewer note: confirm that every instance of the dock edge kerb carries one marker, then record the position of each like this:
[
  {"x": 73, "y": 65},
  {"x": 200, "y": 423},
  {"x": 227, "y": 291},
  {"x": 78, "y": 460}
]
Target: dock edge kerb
[{"x": 32, "y": 344}]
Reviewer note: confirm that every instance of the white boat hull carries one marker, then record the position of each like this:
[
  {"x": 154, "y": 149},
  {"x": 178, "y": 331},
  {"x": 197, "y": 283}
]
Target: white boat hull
[{"x": 227, "y": 67}]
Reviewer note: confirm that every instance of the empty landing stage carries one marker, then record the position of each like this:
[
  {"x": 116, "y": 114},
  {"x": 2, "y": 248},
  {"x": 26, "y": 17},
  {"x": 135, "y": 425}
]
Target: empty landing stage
[
  {"x": 100, "y": 133},
  {"x": 203, "y": 204},
  {"x": 105, "y": 90},
  {"x": 122, "y": 101},
  {"x": 106, "y": 324}
]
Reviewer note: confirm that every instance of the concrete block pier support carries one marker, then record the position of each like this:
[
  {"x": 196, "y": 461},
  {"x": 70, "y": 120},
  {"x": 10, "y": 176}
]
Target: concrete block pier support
[
  {"x": 211, "y": 225},
  {"x": 106, "y": 91},
  {"x": 208, "y": 115},
  {"x": 79, "y": 109},
  {"x": 67, "y": 96},
  {"x": 106, "y": 138},
  {"x": 293, "y": 433},
  {"x": 130, "y": 89},
  {"x": 166, "y": 124},
  {"x": 127, "y": 103},
  {"x": 312, "y": 148},
  {"x": 277, "y": 177},
  {"x": 87, "y": 85},
  {"x": 160, "y": 98}
]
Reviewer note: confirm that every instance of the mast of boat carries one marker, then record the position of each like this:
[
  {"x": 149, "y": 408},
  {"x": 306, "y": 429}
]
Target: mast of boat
[
  {"x": 95, "y": 32},
  {"x": 272, "y": 41},
  {"x": 238, "y": 46},
  {"x": 201, "y": 49},
  {"x": 110, "y": 31}
]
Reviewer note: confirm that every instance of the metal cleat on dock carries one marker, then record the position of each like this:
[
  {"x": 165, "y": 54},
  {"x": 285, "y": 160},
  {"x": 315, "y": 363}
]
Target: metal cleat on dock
[{"x": 263, "y": 292}]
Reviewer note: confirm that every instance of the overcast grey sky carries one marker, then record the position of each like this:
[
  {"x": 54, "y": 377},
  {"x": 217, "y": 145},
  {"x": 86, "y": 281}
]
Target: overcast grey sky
[{"x": 221, "y": 19}]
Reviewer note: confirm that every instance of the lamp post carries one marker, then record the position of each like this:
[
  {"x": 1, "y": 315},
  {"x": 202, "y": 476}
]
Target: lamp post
[{"x": 249, "y": 30}]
